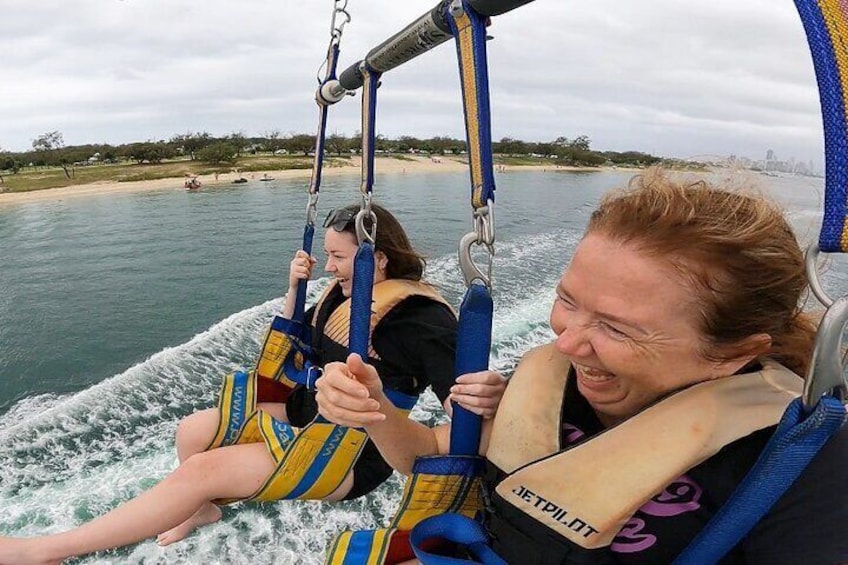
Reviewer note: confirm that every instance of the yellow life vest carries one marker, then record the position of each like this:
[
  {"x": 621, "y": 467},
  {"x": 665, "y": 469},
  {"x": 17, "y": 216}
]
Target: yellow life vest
[{"x": 587, "y": 493}]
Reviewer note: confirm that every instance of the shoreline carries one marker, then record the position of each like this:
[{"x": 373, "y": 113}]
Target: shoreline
[{"x": 382, "y": 165}]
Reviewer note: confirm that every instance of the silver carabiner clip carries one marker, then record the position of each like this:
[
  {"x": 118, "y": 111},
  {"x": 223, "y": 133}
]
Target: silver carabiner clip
[
  {"x": 362, "y": 233},
  {"x": 470, "y": 271},
  {"x": 825, "y": 376},
  {"x": 336, "y": 31},
  {"x": 483, "y": 234}
]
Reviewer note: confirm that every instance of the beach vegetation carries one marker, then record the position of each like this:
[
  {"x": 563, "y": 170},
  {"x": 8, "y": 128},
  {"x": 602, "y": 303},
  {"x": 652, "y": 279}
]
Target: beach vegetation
[
  {"x": 337, "y": 143},
  {"x": 219, "y": 152},
  {"x": 300, "y": 143},
  {"x": 190, "y": 143},
  {"x": 51, "y": 143},
  {"x": 51, "y": 163},
  {"x": 152, "y": 152}
]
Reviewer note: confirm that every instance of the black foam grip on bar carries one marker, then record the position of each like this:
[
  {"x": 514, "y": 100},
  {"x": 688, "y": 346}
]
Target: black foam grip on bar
[
  {"x": 423, "y": 34},
  {"x": 496, "y": 7},
  {"x": 438, "y": 16},
  {"x": 418, "y": 37},
  {"x": 351, "y": 77}
]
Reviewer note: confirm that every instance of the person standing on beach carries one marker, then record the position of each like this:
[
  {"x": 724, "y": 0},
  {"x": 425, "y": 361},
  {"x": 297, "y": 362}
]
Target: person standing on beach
[{"x": 413, "y": 344}]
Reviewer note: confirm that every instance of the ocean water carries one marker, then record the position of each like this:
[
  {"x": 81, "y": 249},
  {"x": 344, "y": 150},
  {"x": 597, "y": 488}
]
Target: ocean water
[{"x": 120, "y": 313}]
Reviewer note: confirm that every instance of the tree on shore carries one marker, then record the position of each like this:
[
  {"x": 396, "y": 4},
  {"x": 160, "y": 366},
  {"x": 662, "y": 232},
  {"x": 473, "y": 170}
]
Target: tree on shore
[
  {"x": 237, "y": 140},
  {"x": 190, "y": 143},
  {"x": 149, "y": 151},
  {"x": 52, "y": 143},
  {"x": 300, "y": 143},
  {"x": 217, "y": 153},
  {"x": 272, "y": 140},
  {"x": 337, "y": 143}
]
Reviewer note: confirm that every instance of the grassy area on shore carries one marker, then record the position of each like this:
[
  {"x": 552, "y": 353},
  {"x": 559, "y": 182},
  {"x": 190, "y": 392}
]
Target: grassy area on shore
[
  {"x": 39, "y": 178},
  {"x": 30, "y": 179}
]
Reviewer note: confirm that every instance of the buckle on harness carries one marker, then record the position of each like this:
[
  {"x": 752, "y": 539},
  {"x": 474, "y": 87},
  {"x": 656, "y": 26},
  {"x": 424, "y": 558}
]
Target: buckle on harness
[{"x": 313, "y": 373}]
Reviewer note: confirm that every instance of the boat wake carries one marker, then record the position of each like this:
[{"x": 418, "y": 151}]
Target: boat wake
[{"x": 67, "y": 459}]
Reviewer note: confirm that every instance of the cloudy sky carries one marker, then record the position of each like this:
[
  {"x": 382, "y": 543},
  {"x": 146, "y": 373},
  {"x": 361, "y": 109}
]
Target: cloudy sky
[{"x": 670, "y": 77}]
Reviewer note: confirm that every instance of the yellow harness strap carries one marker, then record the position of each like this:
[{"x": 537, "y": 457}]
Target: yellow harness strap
[
  {"x": 276, "y": 347},
  {"x": 438, "y": 485},
  {"x": 314, "y": 465},
  {"x": 588, "y": 492}
]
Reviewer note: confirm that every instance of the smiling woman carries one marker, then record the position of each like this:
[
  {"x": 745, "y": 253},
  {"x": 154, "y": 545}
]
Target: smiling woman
[{"x": 680, "y": 338}]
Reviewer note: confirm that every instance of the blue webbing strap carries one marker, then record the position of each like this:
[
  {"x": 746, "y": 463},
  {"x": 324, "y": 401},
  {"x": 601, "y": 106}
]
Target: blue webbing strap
[
  {"x": 318, "y": 163},
  {"x": 360, "y": 300},
  {"x": 826, "y": 61},
  {"x": 473, "y": 344},
  {"x": 793, "y": 445},
  {"x": 362, "y": 290},
  {"x": 474, "y": 333},
  {"x": 317, "y": 167},
  {"x": 300, "y": 297},
  {"x": 370, "y": 83},
  {"x": 457, "y": 529}
]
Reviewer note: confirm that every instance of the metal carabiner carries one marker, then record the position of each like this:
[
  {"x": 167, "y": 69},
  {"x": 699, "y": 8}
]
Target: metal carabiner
[
  {"x": 825, "y": 376},
  {"x": 362, "y": 233},
  {"x": 470, "y": 271},
  {"x": 810, "y": 261},
  {"x": 340, "y": 7},
  {"x": 483, "y": 234},
  {"x": 336, "y": 31}
]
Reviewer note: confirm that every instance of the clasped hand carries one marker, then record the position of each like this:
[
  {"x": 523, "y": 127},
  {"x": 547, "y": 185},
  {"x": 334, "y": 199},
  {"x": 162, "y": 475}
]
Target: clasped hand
[{"x": 351, "y": 394}]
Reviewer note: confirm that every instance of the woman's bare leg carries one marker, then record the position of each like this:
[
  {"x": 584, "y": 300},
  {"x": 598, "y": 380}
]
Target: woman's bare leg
[
  {"x": 229, "y": 472},
  {"x": 194, "y": 434}
]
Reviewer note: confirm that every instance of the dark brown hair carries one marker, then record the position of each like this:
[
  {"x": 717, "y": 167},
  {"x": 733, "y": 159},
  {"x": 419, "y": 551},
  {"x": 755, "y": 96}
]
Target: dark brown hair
[
  {"x": 736, "y": 250},
  {"x": 403, "y": 261}
]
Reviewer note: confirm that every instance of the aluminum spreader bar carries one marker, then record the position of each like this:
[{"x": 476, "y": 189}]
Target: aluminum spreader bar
[{"x": 422, "y": 35}]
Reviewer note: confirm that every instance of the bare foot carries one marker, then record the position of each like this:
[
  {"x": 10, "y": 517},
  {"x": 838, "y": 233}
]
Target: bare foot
[
  {"x": 207, "y": 514},
  {"x": 23, "y": 552}
]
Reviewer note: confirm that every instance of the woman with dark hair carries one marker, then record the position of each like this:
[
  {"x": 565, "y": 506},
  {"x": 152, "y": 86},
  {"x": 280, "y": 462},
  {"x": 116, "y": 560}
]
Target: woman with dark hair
[{"x": 413, "y": 337}]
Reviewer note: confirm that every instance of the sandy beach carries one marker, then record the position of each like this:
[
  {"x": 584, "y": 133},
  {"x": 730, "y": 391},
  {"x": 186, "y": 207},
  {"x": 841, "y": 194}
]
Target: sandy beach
[{"x": 382, "y": 165}]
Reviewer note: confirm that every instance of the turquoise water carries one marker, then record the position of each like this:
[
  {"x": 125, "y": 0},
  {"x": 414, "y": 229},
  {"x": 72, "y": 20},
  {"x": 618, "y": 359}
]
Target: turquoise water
[{"x": 121, "y": 312}]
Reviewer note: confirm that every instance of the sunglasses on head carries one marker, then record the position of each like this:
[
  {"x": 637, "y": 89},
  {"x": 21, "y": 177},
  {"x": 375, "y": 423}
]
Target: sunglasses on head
[{"x": 340, "y": 219}]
